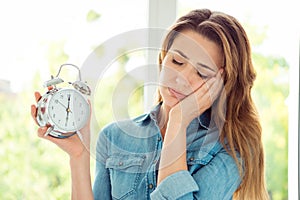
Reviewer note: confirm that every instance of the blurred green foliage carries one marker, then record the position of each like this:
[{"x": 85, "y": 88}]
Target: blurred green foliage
[
  {"x": 270, "y": 93},
  {"x": 92, "y": 16},
  {"x": 33, "y": 168}
]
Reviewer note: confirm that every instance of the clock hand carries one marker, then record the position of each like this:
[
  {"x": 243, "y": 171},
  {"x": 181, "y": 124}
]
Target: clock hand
[
  {"x": 68, "y": 109},
  {"x": 69, "y": 96},
  {"x": 67, "y": 118},
  {"x": 62, "y": 104}
]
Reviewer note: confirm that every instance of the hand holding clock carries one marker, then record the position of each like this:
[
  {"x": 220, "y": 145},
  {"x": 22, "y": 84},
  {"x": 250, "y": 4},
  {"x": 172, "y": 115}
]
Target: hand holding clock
[
  {"x": 74, "y": 146},
  {"x": 60, "y": 127}
]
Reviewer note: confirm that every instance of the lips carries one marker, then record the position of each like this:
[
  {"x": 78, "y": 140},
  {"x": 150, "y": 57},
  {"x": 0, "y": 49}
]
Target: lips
[{"x": 176, "y": 94}]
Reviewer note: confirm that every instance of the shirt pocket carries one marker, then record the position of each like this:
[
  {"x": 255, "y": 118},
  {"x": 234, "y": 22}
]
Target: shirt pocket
[{"x": 125, "y": 171}]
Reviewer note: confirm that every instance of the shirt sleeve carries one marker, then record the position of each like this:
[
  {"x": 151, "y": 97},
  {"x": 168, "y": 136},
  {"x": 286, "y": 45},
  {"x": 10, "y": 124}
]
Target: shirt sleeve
[
  {"x": 101, "y": 187},
  {"x": 172, "y": 187},
  {"x": 217, "y": 180}
]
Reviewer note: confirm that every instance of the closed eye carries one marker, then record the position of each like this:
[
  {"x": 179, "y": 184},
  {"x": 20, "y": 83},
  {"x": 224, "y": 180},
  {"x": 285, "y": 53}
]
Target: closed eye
[
  {"x": 177, "y": 62},
  {"x": 202, "y": 75}
]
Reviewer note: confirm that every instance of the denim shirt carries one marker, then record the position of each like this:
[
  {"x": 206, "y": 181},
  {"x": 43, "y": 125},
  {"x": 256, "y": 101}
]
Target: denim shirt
[{"x": 127, "y": 161}]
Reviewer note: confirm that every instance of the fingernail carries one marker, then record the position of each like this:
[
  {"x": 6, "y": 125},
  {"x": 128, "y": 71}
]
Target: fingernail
[{"x": 222, "y": 70}]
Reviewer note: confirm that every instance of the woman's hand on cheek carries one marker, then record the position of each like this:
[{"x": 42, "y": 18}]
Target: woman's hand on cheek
[
  {"x": 214, "y": 87},
  {"x": 200, "y": 100}
]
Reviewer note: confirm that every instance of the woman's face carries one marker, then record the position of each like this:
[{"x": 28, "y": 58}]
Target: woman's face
[{"x": 191, "y": 60}]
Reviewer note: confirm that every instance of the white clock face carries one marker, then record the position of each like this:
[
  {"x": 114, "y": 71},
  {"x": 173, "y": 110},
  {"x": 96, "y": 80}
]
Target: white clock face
[{"x": 68, "y": 110}]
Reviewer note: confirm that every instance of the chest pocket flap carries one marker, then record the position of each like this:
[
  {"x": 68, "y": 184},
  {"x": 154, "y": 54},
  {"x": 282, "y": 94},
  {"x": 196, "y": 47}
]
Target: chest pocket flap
[
  {"x": 198, "y": 157},
  {"x": 123, "y": 161}
]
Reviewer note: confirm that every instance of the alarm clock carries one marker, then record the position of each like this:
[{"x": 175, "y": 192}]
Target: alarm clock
[{"x": 64, "y": 110}]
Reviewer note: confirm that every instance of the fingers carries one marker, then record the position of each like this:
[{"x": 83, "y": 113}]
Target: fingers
[
  {"x": 42, "y": 134},
  {"x": 42, "y": 131},
  {"x": 209, "y": 91},
  {"x": 33, "y": 113},
  {"x": 37, "y": 96},
  {"x": 214, "y": 86}
]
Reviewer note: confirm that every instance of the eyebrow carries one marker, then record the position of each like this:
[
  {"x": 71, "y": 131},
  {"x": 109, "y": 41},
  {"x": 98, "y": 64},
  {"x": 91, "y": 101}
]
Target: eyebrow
[
  {"x": 205, "y": 66},
  {"x": 198, "y": 63}
]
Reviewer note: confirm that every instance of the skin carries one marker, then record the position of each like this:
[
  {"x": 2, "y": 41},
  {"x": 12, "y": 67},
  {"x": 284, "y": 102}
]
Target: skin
[
  {"x": 189, "y": 97},
  {"x": 185, "y": 94}
]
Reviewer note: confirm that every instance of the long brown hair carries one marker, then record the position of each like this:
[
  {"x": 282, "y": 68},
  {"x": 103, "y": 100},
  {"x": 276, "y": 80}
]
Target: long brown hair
[{"x": 241, "y": 127}]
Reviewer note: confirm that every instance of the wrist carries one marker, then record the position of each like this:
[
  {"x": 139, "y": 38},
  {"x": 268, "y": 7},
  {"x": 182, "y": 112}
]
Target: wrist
[
  {"x": 84, "y": 156},
  {"x": 177, "y": 119},
  {"x": 175, "y": 131}
]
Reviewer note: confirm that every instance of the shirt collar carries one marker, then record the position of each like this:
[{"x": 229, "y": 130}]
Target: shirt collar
[{"x": 205, "y": 118}]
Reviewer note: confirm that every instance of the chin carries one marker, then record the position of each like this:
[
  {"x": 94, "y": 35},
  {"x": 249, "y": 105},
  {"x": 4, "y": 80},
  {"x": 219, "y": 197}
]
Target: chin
[{"x": 168, "y": 99}]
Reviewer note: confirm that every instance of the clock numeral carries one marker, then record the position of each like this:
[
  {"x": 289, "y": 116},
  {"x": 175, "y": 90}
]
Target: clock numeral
[
  {"x": 56, "y": 101},
  {"x": 53, "y": 115},
  {"x": 61, "y": 96}
]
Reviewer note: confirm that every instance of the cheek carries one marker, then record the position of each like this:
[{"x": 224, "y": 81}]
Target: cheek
[
  {"x": 167, "y": 77},
  {"x": 163, "y": 93},
  {"x": 189, "y": 80},
  {"x": 197, "y": 82}
]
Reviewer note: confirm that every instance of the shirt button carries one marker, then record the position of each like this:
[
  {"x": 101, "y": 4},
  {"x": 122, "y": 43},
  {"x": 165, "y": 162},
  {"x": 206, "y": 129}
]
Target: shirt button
[
  {"x": 159, "y": 139},
  {"x": 120, "y": 163},
  {"x": 150, "y": 186},
  {"x": 192, "y": 158}
]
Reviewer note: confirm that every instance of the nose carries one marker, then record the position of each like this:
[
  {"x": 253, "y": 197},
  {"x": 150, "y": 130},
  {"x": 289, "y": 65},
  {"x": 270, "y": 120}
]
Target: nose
[
  {"x": 185, "y": 80},
  {"x": 180, "y": 80},
  {"x": 186, "y": 75}
]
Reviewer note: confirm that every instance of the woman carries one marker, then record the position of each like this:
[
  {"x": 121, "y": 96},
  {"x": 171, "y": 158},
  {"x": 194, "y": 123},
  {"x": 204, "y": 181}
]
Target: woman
[{"x": 203, "y": 138}]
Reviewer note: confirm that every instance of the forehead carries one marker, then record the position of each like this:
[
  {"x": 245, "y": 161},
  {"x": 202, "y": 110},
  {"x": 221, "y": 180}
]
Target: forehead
[{"x": 198, "y": 48}]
